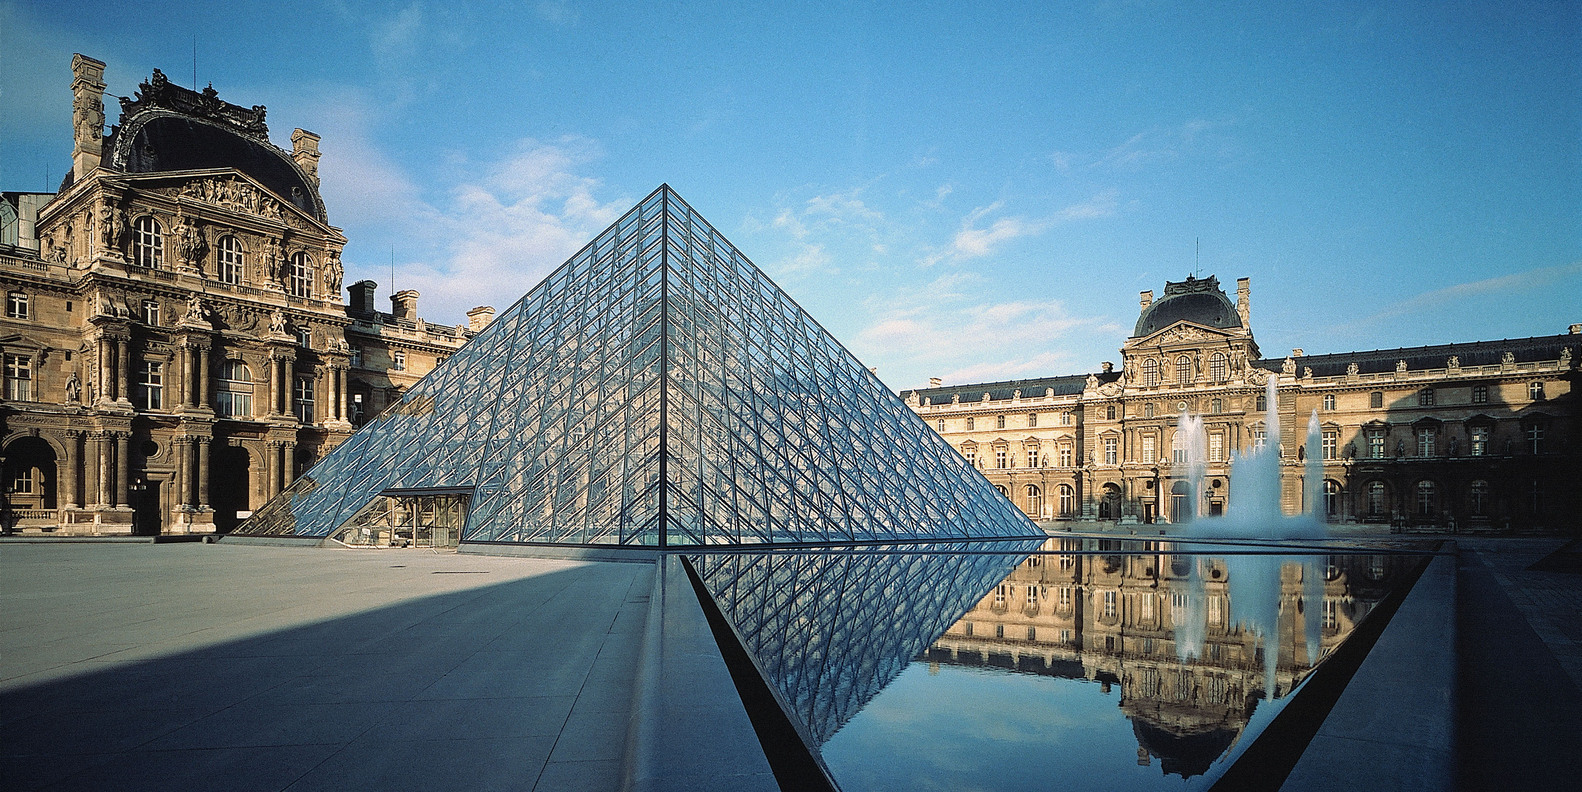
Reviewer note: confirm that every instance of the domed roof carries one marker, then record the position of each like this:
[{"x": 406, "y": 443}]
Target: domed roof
[
  {"x": 1193, "y": 300},
  {"x": 169, "y": 128}
]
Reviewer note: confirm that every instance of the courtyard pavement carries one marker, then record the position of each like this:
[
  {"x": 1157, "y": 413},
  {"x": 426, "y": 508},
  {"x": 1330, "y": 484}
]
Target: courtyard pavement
[{"x": 199, "y": 666}]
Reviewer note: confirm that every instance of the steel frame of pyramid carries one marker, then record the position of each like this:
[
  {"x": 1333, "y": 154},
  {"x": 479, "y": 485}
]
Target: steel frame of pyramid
[{"x": 656, "y": 390}]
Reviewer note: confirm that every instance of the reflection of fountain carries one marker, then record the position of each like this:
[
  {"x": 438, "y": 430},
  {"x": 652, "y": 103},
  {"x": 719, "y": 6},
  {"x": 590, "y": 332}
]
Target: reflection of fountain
[{"x": 1254, "y": 510}]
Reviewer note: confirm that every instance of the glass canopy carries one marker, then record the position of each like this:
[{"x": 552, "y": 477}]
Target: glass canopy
[{"x": 656, "y": 390}]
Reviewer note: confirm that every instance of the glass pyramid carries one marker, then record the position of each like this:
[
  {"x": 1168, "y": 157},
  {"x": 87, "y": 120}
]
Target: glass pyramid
[{"x": 656, "y": 390}]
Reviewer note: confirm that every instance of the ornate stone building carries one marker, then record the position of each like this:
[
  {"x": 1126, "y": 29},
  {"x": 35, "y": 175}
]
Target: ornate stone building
[
  {"x": 176, "y": 347},
  {"x": 1455, "y": 435}
]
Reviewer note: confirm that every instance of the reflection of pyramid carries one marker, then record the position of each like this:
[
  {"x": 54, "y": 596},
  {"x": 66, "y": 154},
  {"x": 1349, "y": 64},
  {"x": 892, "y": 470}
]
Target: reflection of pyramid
[
  {"x": 831, "y": 629},
  {"x": 658, "y": 353}
]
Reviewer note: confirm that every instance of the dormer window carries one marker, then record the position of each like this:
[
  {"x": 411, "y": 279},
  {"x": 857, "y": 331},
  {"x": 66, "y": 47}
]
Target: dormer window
[
  {"x": 230, "y": 260},
  {"x": 301, "y": 275},
  {"x": 148, "y": 243}
]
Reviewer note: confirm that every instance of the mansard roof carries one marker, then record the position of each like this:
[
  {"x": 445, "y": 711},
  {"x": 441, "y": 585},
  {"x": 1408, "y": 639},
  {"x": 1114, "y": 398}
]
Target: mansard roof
[
  {"x": 170, "y": 128},
  {"x": 1475, "y": 353},
  {"x": 1192, "y": 300},
  {"x": 1069, "y": 385}
]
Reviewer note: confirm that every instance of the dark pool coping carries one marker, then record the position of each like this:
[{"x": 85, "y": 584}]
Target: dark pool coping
[{"x": 1393, "y": 727}]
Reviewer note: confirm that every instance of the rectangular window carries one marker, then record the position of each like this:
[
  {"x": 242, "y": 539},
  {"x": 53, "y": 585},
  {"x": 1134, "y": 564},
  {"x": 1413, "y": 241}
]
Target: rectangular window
[
  {"x": 972, "y": 457},
  {"x": 999, "y": 457},
  {"x": 971, "y": 424},
  {"x": 151, "y": 385},
  {"x": 1425, "y": 441},
  {"x": 1376, "y": 399},
  {"x": 1479, "y": 440},
  {"x": 1425, "y": 397},
  {"x": 1217, "y": 406},
  {"x": 1375, "y": 443},
  {"x": 1259, "y": 437},
  {"x": 1330, "y": 440},
  {"x": 304, "y": 338},
  {"x": 1178, "y": 456},
  {"x": 1148, "y": 457},
  {"x": 1535, "y": 439},
  {"x": 999, "y": 422},
  {"x": 1032, "y": 457},
  {"x": 939, "y": 426},
  {"x": 1535, "y": 391},
  {"x": 18, "y": 378},
  {"x": 23, "y": 483},
  {"x": 16, "y": 306},
  {"x": 1032, "y": 419},
  {"x": 1109, "y": 451},
  {"x": 1329, "y": 401},
  {"x": 1065, "y": 456},
  {"x": 398, "y": 362},
  {"x": 1032, "y": 633},
  {"x": 1065, "y": 419},
  {"x": 304, "y": 399},
  {"x": 151, "y": 312},
  {"x": 1216, "y": 448},
  {"x": 1032, "y": 595},
  {"x": 1109, "y": 604},
  {"x": 1480, "y": 394},
  {"x": 356, "y": 357}
]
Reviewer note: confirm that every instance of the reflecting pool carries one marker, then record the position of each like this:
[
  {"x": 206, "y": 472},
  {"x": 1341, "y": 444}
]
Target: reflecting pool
[{"x": 1080, "y": 663}]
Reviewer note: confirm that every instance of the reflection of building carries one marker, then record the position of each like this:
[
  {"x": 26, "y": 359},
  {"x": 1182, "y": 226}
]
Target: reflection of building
[
  {"x": 176, "y": 348},
  {"x": 1471, "y": 434},
  {"x": 1086, "y": 609}
]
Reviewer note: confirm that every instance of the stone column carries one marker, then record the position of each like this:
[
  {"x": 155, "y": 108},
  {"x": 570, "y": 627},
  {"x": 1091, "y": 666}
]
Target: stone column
[
  {"x": 123, "y": 468},
  {"x": 103, "y": 385},
  {"x": 288, "y": 463},
  {"x": 123, "y": 368},
  {"x": 101, "y": 442},
  {"x": 271, "y": 469},
  {"x": 344, "y": 406},
  {"x": 203, "y": 471},
  {"x": 184, "y": 379},
  {"x": 284, "y": 406},
  {"x": 69, "y": 484},
  {"x": 205, "y": 374},
  {"x": 178, "y": 481}
]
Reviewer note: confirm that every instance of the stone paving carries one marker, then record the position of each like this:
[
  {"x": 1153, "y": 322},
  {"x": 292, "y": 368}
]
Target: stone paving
[{"x": 205, "y": 666}]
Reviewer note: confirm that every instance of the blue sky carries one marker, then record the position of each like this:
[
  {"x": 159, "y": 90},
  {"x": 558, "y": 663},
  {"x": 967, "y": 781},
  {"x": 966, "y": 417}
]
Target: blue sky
[{"x": 975, "y": 193}]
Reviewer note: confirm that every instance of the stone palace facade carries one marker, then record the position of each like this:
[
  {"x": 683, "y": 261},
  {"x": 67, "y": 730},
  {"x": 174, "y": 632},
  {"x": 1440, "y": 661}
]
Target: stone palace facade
[
  {"x": 176, "y": 345},
  {"x": 1470, "y": 435}
]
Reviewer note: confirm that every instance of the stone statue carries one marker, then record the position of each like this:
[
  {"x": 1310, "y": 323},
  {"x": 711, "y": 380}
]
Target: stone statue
[
  {"x": 1508, "y": 359},
  {"x": 1093, "y": 381},
  {"x": 196, "y": 313},
  {"x": 73, "y": 388},
  {"x": 1454, "y": 362},
  {"x": 272, "y": 259},
  {"x": 333, "y": 273},
  {"x": 1351, "y": 369},
  {"x": 190, "y": 245},
  {"x": 277, "y": 323},
  {"x": 1400, "y": 366},
  {"x": 1565, "y": 358},
  {"x": 111, "y": 223},
  {"x": 1288, "y": 366},
  {"x": 1307, "y": 372},
  {"x": 1455, "y": 446}
]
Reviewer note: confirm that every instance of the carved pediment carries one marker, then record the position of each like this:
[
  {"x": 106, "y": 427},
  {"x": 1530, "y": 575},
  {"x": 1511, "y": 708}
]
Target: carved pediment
[{"x": 1181, "y": 333}]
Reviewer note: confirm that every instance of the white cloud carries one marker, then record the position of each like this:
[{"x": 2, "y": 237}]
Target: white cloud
[
  {"x": 1514, "y": 282},
  {"x": 971, "y": 241}
]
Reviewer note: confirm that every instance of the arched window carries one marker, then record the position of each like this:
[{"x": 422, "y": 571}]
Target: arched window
[
  {"x": 1183, "y": 370},
  {"x": 234, "y": 397},
  {"x": 1150, "y": 373},
  {"x": 1427, "y": 498},
  {"x": 1035, "y": 500},
  {"x": 148, "y": 243},
  {"x": 1068, "y": 500},
  {"x": 1218, "y": 367},
  {"x": 1331, "y": 498},
  {"x": 301, "y": 275},
  {"x": 1378, "y": 503},
  {"x": 230, "y": 259},
  {"x": 1478, "y": 499}
]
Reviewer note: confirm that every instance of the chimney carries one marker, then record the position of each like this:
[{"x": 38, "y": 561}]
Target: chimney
[
  {"x": 87, "y": 114},
  {"x": 305, "y": 150},
  {"x": 1146, "y": 298},
  {"x": 363, "y": 297},
  {"x": 480, "y": 317},
  {"x": 935, "y": 382},
  {"x": 1244, "y": 301},
  {"x": 403, "y": 304}
]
